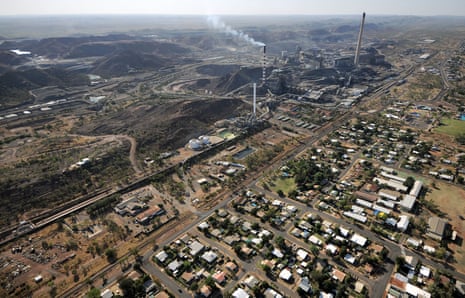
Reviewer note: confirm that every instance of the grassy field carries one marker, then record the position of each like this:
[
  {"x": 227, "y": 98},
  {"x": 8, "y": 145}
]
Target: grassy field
[
  {"x": 452, "y": 127},
  {"x": 284, "y": 184},
  {"x": 451, "y": 200}
]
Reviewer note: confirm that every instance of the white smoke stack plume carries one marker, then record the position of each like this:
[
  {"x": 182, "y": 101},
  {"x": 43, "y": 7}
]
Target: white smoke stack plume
[
  {"x": 254, "y": 98},
  {"x": 217, "y": 24},
  {"x": 264, "y": 65}
]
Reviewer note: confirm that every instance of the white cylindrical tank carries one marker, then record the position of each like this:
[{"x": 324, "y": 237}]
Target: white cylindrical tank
[
  {"x": 195, "y": 144},
  {"x": 204, "y": 140}
]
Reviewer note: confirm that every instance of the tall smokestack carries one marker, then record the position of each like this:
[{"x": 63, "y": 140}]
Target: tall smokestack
[
  {"x": 359, "y": 43},
  {"x": 264, "y": 65},
  {"x": 254, "y": 98}
]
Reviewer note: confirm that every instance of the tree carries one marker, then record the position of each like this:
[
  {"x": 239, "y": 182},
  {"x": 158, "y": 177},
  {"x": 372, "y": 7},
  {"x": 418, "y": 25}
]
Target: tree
[
  {"x": 293, "y": 194},
  {"x": 421, "y": 225},
  {"x": 315, "y": 250},
  {"x": 256, "y": 291},
  {"x": 460, "y": 138},
  {"x": 255, "y": 226},
  {"x": 280, "y": 242},
  {"x": 135, "y": 252},
  {"x": 194, "y": 286},
  {"x": 111, "y": 255},
  {"x": 441, "y": 253},
  {"x": 53, "y": 291},
  {"x": 128, "y": 287},
  {"x": 186, "y": 265},
  {"x": 209, "y": 281},
  {"x": 267, "y": 270},
  {"x": 93, "y": 293},
  {"x": 400, "y": 261},
  {"x": 71, "y": 245},
  {"x": 45, "y": 245},
  {"x": 409, "y": 182}
]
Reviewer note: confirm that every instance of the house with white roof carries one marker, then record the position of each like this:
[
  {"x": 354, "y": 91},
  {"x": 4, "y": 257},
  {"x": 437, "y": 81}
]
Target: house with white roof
[
  {"x": 403, "y": 223},
  {"x": 359, "y": 239},
  {"x": 195, "y": 248},
  {"x": 240, "y": 293},
  {"x": 209, "y": 256},
  {"x": 302, "y": 255},
  {"x": 285, "y": 275},
  {"x": 315, "y": 240}
]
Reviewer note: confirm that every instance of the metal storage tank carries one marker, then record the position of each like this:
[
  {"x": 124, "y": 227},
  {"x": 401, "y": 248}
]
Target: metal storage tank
[
  {"x": 195, "y": 144},
  {"x": 204, "y": 140}
]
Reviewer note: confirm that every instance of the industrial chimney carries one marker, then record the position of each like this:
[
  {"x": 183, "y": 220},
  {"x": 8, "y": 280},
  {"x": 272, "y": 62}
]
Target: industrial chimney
[
  {"x": 359, "y": 43},
  {"x": 264, "y": 65},
  {"x": 254, "y": 98}
]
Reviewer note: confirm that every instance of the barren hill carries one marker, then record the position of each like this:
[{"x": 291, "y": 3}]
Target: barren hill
[
  {"x": 15, "y": 85},
  {"x": 11, "y": 59},
  {"x": 125, "y": 61},
  {"x": 239, "y": 78},
  {"x": 165, "y": 126}
]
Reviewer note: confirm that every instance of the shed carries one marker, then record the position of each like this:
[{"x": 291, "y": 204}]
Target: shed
[{"x": 38, "y": 278}]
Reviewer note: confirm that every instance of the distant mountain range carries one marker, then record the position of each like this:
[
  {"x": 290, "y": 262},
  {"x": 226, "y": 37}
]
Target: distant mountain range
[{"x": 114, "y": 55}]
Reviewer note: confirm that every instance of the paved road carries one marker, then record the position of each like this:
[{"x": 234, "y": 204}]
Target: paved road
[
  {"x": 166, "y": 280},
  {"x": 247, "y": 267},
  {"x": 377, "y": 286},
  {"x": 394, "y": 250}
]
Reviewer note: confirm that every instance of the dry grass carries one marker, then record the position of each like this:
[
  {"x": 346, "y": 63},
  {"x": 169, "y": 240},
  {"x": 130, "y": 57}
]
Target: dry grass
[{"x": 451, "y": 200}]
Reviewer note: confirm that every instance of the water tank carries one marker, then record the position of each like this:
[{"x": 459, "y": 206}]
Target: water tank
[
  {"x": 195, "y": 144},
  {"x": 204, "y": 140}
]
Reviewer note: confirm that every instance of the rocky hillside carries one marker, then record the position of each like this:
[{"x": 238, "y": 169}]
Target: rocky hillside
[
  {"x": 15, "y": 85},
  {"x": 165, "y": 126}
]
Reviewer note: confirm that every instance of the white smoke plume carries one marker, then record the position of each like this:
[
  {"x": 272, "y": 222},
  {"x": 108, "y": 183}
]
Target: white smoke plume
[{"x": 219, "y": 25}]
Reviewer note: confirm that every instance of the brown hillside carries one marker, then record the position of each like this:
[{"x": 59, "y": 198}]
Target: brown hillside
[{"x": 165, "y": 126}]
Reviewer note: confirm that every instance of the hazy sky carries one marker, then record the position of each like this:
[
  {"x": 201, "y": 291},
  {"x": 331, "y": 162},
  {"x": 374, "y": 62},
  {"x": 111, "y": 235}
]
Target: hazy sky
[{"x": 241, "y": 7}]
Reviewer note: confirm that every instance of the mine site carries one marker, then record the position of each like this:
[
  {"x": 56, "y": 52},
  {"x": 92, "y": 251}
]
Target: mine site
[{"x": 232, "y": 155}]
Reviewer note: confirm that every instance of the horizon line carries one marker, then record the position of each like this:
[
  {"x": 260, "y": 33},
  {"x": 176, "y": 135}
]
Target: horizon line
[{"x": 224, "y": 15}]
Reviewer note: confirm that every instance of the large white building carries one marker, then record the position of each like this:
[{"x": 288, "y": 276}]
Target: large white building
[{"x": 403, "y": 223}]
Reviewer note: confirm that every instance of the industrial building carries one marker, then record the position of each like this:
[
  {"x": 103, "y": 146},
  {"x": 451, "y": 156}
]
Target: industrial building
[
  {"x": 436, "y": 228},
  {"x": 145, "y": 217}
]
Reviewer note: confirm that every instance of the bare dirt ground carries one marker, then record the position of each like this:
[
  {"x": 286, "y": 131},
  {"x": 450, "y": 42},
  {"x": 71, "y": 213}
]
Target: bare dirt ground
[
  {"x": 84, "y": 261},
  {"x": 451, "y": 200}
]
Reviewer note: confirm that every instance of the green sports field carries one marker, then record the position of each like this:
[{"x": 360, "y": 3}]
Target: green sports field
[{"x": 452, "y": 127}]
